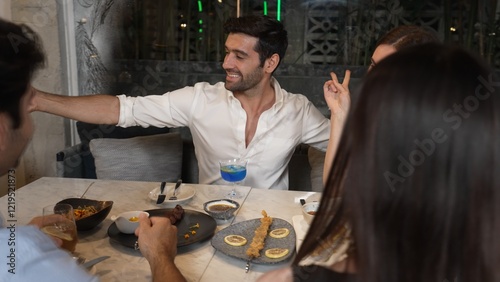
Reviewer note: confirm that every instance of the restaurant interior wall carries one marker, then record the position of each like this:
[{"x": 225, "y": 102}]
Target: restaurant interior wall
[
  {"x": 141, "y": 47},
  {"x": 49, "y": 135},
  {"x": 154, "y": 46}
]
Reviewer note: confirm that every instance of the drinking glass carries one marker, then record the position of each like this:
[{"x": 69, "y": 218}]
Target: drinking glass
[
  {"x": 233, "y": 171},
  {"x": 59, "y": 221}
]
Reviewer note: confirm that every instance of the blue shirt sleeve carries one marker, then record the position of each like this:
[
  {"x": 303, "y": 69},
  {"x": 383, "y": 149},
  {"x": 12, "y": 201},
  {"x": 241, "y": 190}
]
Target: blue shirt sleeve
[{"x": 27, "y": 254}]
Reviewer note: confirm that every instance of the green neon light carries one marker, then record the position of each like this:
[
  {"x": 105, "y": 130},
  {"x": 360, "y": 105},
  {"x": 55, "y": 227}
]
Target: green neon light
[
  {"x": 265, "y": 8},
  {"x": 200, "y": 7},
  {"x": 200, "y": 21},
  {"x": 200, "y": 30},
  {"x": 278, "y": 12}
]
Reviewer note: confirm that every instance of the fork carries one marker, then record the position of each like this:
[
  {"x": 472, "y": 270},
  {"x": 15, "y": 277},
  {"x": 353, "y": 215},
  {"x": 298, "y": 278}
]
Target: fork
[{"x": 177, "y": 185}]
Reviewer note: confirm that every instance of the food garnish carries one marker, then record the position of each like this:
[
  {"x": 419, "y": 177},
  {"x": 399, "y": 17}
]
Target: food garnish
[
  {"x": 134, "y": 219},
  {"x": 84, "y": 212},
  {"x": 260, "y": 235},
  {"x": 235, "y": 240},
  {"x": 279, "y": 233},
  {"x": 191, "y": 231},
  {"x": 276, "y": 253}
]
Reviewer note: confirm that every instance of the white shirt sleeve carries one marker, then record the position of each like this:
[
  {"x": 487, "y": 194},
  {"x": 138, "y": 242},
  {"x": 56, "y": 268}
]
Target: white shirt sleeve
[{"x": 171, "y": 109}]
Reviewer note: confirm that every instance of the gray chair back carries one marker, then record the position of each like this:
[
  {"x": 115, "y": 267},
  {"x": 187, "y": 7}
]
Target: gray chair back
[{"x": 143, "y": 158}]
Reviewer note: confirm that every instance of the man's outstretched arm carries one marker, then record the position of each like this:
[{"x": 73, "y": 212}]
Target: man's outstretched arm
[{"x": 97, "y": 109}]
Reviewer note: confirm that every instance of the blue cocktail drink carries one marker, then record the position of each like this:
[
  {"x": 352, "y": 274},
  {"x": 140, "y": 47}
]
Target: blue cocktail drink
[{"x": 233, "y": 171}]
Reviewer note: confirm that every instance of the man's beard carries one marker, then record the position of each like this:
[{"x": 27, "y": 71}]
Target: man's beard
[{"x": 247, "y": 82}]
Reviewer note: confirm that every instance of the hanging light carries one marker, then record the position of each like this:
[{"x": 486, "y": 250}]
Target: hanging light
[{"x": 278, "y": 11}]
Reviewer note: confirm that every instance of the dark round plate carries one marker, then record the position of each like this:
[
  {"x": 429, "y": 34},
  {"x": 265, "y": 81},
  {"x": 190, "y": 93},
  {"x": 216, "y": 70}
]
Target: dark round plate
[
  {"x": 191, "y": 218},
  {"x": 247, "y": 230}
]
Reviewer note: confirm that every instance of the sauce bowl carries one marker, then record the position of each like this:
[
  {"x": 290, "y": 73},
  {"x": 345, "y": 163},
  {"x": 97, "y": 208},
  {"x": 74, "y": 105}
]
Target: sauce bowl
[{"x": 221, "y": 209}]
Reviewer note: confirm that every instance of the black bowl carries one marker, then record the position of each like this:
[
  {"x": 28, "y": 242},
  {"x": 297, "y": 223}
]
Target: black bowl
[{"x": 86, "y": 223}]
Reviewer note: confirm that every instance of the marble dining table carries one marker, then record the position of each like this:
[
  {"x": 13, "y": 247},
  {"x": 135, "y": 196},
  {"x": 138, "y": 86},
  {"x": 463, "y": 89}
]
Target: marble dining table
[{"x": 197, "y": 262}]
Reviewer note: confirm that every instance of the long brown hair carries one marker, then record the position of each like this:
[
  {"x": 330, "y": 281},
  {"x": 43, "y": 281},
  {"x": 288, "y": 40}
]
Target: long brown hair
[
  {"x": 418, "y": 171},
  {"x": 408, "y": 35}
]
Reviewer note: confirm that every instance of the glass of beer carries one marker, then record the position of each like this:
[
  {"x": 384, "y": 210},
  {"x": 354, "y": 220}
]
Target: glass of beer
[{"x": 59, "y": 221}]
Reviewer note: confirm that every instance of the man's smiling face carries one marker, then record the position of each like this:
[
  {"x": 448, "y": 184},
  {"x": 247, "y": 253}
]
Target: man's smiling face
[{"x": 242, "y": 63}]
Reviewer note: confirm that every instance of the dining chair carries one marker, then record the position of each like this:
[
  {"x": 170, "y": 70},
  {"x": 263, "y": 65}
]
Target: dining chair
[
  {"x": 316, "y": 161},
  {"x": 144, "y": 158}
]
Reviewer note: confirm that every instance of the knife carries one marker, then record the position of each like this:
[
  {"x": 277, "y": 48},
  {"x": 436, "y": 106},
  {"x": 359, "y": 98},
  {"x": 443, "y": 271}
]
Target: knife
[
  {"x": 162, "y": 187},
  {"x": 161, "y": 196},
  {"x": 95, "y": 261}
]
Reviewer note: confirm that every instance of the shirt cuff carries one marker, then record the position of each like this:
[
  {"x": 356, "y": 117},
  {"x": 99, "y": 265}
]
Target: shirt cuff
[{"x": 126, "y": 118}]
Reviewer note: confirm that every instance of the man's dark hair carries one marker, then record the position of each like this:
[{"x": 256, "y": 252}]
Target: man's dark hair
[
  {"x": 273, "y": 38},
  {"x": 20, "y": 55}
]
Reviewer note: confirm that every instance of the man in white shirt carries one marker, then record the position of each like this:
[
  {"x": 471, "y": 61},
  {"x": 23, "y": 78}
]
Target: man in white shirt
[
  {"x": 248, "y": 116},
  {"x": 26, "y": 254}
]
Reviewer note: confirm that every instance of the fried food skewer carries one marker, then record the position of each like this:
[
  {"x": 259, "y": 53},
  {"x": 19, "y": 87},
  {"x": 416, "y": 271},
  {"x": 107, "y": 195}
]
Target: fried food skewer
[{"x": 260, "y": 236}]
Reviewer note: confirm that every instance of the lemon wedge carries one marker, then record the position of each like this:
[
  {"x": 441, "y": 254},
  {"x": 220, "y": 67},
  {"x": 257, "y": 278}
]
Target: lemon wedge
[
  {"x": 235, "y": 240},
  {"x": 276, "y": 253},
  {"x": 279, "y": 233}
]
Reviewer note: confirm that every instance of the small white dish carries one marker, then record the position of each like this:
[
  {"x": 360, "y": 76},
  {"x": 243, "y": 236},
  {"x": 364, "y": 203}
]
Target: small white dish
[
  {"x": 184, "y": 193},
  {"x": 309, "y": 210},
  {"x": 127, "y": 222}
]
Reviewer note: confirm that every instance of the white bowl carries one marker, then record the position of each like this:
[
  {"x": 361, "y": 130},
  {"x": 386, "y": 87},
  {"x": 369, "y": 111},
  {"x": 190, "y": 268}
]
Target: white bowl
[
  {"x": 308, "y": 211},
  {"x": 125, "y": 223}
]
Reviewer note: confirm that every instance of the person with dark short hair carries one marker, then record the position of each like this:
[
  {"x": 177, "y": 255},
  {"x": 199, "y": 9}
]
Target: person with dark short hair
[
  {"x": 32, "y": 256},
  {"x": 249, "y": 116}
]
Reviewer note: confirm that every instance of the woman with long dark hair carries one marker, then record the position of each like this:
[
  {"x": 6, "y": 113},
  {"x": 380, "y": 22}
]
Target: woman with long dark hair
[
  {"x": 418, "y": 175},
  {"x": 337, "y": 94}
]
